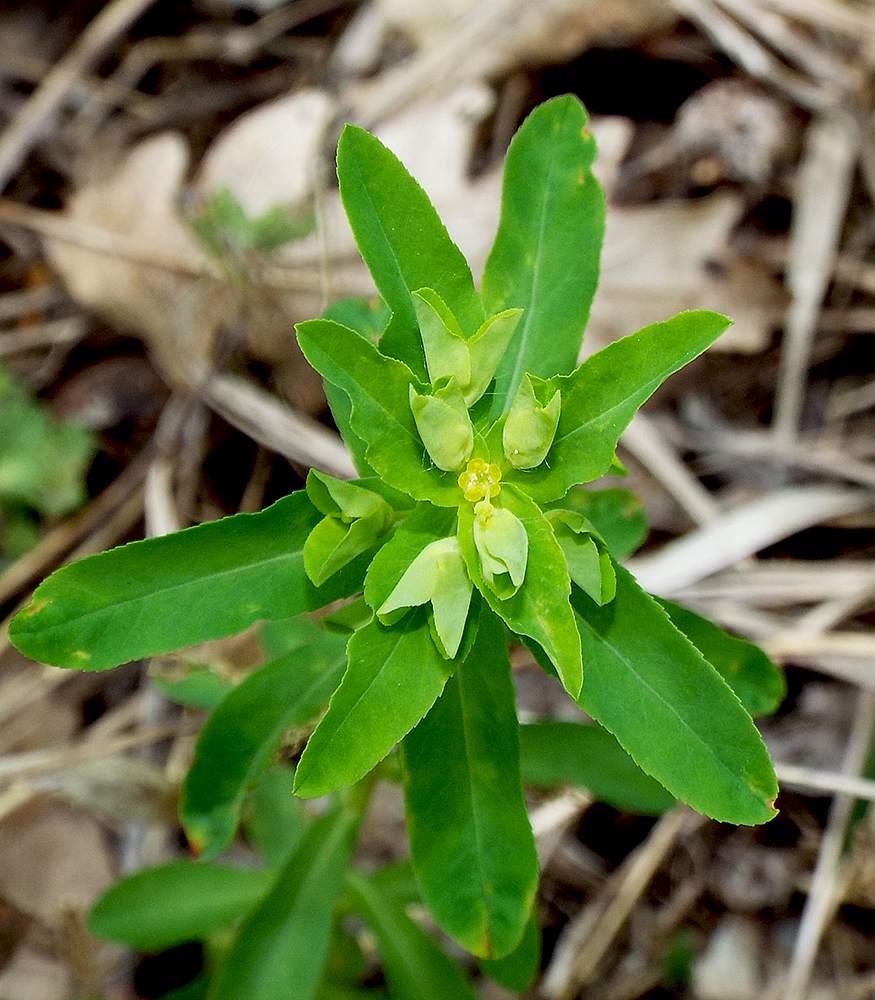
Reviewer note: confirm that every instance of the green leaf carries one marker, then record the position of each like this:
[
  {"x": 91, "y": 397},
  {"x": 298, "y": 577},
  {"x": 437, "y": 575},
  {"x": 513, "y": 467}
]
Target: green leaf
[
  {"x": 589, "y": 563},
  {"x": 600, "y": 398},
  {"x": 470, "y": 838},
  {"x": 282, "y": 947},
  {"x": 545, "y": 258},
  {"x": 540, "y": 608},
  {"x": 162, "y": 594},
  {"x": 517, "y": 970},
  {"x": 43, "y": 463},
  {"x": 275, "y": 824},
  {"x": 670, "y": 709},
  {"x": 415, "y": 967},
  {"x": 368, "y": 319},
  {"x": 177, "y": 902},
  {"x": 759, "y": 684},
  {"x": 394, "y": 676},
  {"x": 200, "y": 688},
  {"x": 380, "y": 390},
  {"x": 617, "y": 515},
  {"x": 236, "y": 745},
  {"x": 556, "y": 753},
  {"x": 403, "y": 242}
]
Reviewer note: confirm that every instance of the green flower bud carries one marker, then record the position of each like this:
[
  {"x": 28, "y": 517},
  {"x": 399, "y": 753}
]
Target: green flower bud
[
  {"x": 530, "y": 428},
  {"x": 356, "y": 519},
  {"x": 503, "y": 547},
  {"x": 437, "y": 575},
  {"x": 444, "y": 425}
]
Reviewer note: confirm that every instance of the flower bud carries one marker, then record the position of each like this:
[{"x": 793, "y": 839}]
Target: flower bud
[
  {"x": 444, "y": 425},
  {"x": 437, "y": 575},
  {"x": 530, "y": 428},
  {"x": 503, "y": 547}
]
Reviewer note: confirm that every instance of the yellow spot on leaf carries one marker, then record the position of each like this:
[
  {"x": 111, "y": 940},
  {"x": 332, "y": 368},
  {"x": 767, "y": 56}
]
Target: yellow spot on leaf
[
  {"x": 36, "y": 608},
  {"x": 80, "y": 654}
]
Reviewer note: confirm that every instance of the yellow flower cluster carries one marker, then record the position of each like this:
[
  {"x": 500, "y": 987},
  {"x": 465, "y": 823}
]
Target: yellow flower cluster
[{"x": 480, "y": 481}]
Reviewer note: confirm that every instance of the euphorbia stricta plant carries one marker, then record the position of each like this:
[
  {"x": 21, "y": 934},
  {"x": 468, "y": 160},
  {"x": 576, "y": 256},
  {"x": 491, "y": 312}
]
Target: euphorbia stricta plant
[{"x": 472, "y": 427}]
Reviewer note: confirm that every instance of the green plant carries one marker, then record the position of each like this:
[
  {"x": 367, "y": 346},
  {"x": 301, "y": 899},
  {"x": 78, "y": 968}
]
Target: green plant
[
  {"x": 472, "y": 429},
  {"x": 43, "y": 465}
]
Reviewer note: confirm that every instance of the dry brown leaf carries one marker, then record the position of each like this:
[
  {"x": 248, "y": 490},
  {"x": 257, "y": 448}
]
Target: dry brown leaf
[
  {"x": 53, "y": 858},
  {"x": 663, "y": 258}
]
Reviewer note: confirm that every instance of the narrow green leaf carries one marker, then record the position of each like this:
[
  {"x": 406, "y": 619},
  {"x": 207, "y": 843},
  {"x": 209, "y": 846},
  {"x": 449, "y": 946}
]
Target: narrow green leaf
[
  {"x": 163, "y": 594},
  {"x": 540, "y": 608},
  {"x": 759, "y": 684},
  {"x": 545, "y": 259},
  {"x": 368, "y": 319},
  {"x": 403, "y": 242},
  {"x": 470, "y": 838},
  {"x": 414, "y": 965},
  {"x": 669, "y": 708},
  {"x": 556, "y": 753},
  {"x": 199, "y": 687},
  {"x": 275, "y": 823},
  {"x": 177, "y": 902},
  {"x": 517, "y": 970},
  {"x": 381, "y": 416},
  {"x": 282, "y": 947},
  {"x": 237, "y": 743},
  {"x": 393, "y": 678},
  {"x": 600, "y": 398}
]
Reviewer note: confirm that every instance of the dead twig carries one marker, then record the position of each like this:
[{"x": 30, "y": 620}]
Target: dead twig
[{"x": 35, "y": 115}]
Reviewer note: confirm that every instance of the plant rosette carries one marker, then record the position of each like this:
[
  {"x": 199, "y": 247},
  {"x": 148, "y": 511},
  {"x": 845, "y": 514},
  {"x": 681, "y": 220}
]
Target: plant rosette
[{"x": 472, "y": 426}]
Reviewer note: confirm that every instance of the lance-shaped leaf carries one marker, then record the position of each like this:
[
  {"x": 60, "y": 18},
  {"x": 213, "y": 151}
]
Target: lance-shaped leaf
[
  {"x": 393, "y": 678},
  {"x": 368, "y": 318},
  {"x": 282, "y": 947},
  {"x": 470, "y": 838},
  {"x": 162, "y": 594},
  {"x": 600, "y": 398},
  {"x": 589, "y": 564},
  {"x": 236, "y": 745},
  {"x": 545, "y": 259},
  {"x": 759, "y": 684},
  {"x": 540, "y": 608},
  {"x": 679, "y": 720},
  {"x": 517, "y": 971},
  {"x": 356, "y": 519},
  {"x": 403, "y": 242},
  {"x": 177, "y": 902},
  {"x": 379, "y": 388},
  {"x": 558, "y": 753},
  {"x": 414, "y": 965}
]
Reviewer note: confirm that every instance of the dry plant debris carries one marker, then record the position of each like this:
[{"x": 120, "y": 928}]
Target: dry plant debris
[{"x": 738, "y": 149}]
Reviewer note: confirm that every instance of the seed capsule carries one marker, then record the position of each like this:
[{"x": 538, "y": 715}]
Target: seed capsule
[
  {"x": 444, "y": 425},
  {"x": 530, "y": 427}
]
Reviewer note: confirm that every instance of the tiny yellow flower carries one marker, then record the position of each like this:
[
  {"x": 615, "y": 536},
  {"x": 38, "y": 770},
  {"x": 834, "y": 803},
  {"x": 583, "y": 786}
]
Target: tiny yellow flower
[{"x": 480, "y": 481}]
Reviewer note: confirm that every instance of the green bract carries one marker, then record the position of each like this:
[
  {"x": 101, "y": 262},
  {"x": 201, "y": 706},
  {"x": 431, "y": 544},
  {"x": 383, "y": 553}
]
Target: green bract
[{"x": 473, "y": 424}]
